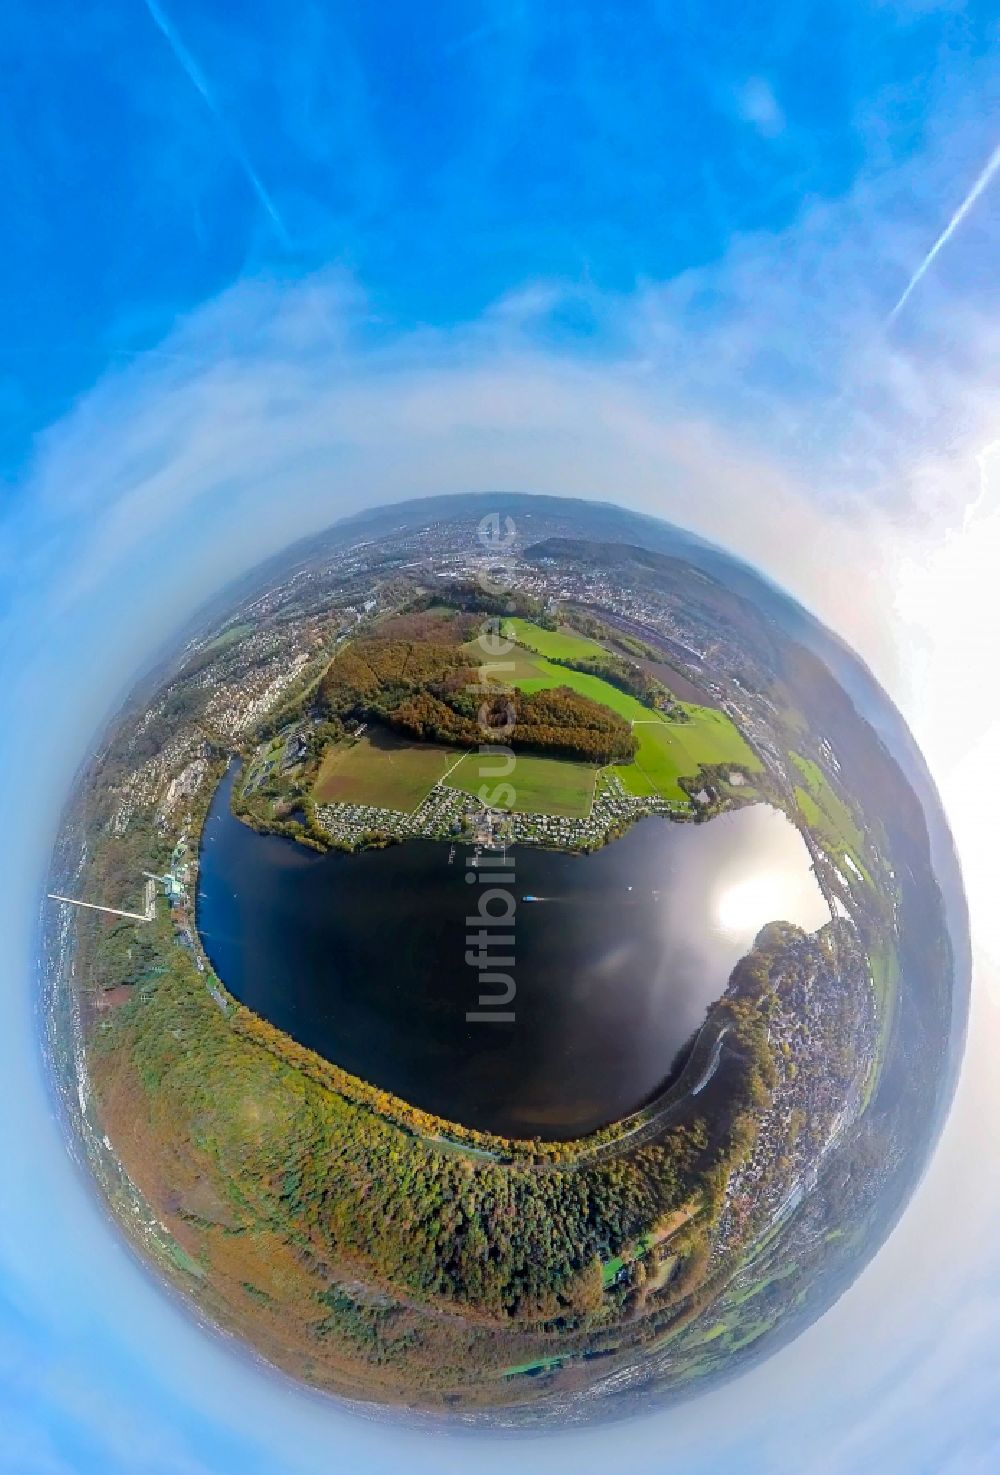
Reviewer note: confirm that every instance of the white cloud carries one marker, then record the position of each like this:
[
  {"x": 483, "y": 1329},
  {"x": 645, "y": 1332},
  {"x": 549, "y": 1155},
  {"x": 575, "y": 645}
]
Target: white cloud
[
  {"x": 757, "y": 105},
  {"x": 294, "y": 421},
  {"x": 755, "y": 401}
]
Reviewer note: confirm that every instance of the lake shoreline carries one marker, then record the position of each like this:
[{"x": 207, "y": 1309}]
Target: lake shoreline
[{"x": 362, "y": 958}]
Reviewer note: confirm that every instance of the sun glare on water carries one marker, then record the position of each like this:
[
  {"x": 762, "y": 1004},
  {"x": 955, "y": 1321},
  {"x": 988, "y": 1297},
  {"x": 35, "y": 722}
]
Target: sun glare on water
[{"x": 742, "y": 910}]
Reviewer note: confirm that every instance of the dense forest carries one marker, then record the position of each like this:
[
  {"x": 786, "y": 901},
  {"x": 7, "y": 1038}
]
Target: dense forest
[
  {"x": 252, "y": 1143},
  {"x": 432, "y": 692}
]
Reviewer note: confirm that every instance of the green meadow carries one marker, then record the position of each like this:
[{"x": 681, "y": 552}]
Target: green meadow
[
  {"x": 827, "y": 815},
  {"x": 668, "y": 750},
  {"x": 557, "y": 645},
  {"x": 556, "y": 786},
  {"x": 529, "y": 670},
  {"x": 382, "y": 770}
]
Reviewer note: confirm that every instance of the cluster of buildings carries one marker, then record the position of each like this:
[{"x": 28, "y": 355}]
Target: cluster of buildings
[
  {"x": 181, "y": 789},
  {"x": 234, "y": 709},
  {"x": 823, "y": 1037},
  {"x": 165, "y": 783},
  {"x": 444, "y": 814},
  {"x": 611, "y": 813},
  {"x": 451, "y": 814},
  {"x": 278, "y": 758}
]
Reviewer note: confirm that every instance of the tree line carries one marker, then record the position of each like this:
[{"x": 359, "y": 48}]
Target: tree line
[{"x": 431, "y": 693}]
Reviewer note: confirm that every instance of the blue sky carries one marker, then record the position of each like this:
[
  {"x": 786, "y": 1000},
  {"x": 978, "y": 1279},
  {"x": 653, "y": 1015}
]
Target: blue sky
[
  {"x": 442, "y": 154},
  {"x": 271, "y": 263}
]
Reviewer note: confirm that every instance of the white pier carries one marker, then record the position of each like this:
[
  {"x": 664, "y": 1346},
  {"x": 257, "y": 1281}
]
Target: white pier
[{"x": 91, "y": 906}]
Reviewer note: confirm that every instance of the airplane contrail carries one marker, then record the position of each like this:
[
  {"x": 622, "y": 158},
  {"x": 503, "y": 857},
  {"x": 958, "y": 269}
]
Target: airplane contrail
[
  {"x": 981, "y": 183},
  {"x": 197, "y": 79}
]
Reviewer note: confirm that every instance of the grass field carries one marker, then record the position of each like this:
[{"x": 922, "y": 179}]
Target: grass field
[
  {"x": 558, "y": 645},
  {"x": 509, "y": 670},
  {"x": 540, "y": 1364},
  {"x": 227, "y": 638},
  {"x": 588, "y": 686},
  {"x": 828, "y": 815},
  {"x": 555, "y": 786},
  {"x": 533, "y": 672},
  {"x": 382, "y": 770},
  {"x": 635, "y": 780},
  {"x": 669, "y": 751},
  {"x": 885, "y": 977}
]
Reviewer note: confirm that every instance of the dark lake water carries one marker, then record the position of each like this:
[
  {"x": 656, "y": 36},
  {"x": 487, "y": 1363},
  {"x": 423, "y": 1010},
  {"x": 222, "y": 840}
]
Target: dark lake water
[{"x": 362, "y": 958}]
